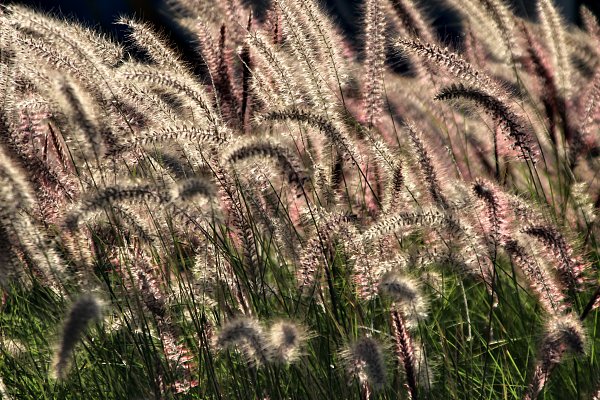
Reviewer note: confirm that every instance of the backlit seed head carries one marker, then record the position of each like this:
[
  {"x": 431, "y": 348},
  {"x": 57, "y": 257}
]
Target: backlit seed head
[
  {"x": 84, "y": 311},
  {"x": 285, "y": 341},
  {"x": 365, "y": 361},
  {"x": 248, "y": 335},
  {"x": 406, "y": 294}
]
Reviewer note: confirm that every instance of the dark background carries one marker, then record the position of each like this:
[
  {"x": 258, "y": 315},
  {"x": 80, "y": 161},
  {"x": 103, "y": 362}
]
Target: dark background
[{"x": 103, "y": 13}]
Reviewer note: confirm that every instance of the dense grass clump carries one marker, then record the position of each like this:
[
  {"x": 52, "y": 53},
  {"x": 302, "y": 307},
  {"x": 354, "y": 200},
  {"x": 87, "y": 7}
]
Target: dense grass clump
[{"x": 287, "y": 217}]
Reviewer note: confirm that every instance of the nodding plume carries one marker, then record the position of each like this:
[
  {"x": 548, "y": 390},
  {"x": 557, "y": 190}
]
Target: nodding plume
[
  {"x": 366, "y": 362},
  {"x": 452, "y": 63},
  {"x": 248, "y": 334},
  {"x": 540, "y": 280},
  {"x": 570, "y": 268},
  {"x": 511, "y": 123},
  {"x": 405, "y": 293},
  {"x": 408, "y": 221},
  {"x": 334, "y": 133},
  {"x": 144, "y": 36},
  {"x": 110, "y": 196},
  {"x": 563, "y": 334},
  {"x": 84, "y": 311},
  {"x": 285, "y": 340},
  {"x": 263, "y": 148}
]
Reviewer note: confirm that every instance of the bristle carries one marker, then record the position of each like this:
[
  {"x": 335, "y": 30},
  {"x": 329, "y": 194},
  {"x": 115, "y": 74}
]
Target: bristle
[
  {"x": 190, "y": 188},
  {"x": 153, "y": 299},
  {"x": 590, "y": 22},
  {"x": 487, "y": 27},
  {"x": 20, "y": 230},
  {"x": 544, "y": 72},
  {"x": 280, "y": 72},
  {"x": 495, "y": 210},
  {"x": 82, "y": 116},
  {"x": 413, "y": 19},
  {"x": 302, "y": 45},
  {"x": 228, "y": 100},
  {"x": 453, "y": 63},
  {"x": 501, "y": 16},
  {"x": 181, "y": 359},
  {"x": 406, "y": 295},
  {"x": 327, "y": 39},
  {"x": 268, "y": 149},
  {"x": 590, "y": 102},
  {"x": 170, "y": 135},
  {"x": 540, "y": 280},
  {"x": 287, "y": 175},
  {"x": 319, "y": 249},
  {"x": 247, "y": 67},
  {"x": 400, "y": 289},
  {"x": 112, "y": 195},
  {"x": 207, "y": 48},
  {"x": 407, "y": 221},
  {"x": 173, "y": 82},
  {"x": 97, "y": 48}
]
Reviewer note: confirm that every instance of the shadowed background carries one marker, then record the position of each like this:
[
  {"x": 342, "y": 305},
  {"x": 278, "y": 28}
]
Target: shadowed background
[
  {"x": 104, "y": 12},
  {"x": 347, "y": 13}
]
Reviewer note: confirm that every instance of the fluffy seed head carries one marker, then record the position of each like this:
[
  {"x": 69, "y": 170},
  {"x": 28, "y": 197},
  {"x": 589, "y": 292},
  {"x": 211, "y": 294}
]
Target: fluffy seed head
[
  {"x": 540, "y": 280},
  {"x": 405, "y": 293},
  {"x": 495, "y": 209},
  {"x": 375, "y": 27},
  {"x": 569, "y": 267},
  {"x": 567, "y": 331},
  {"x": 511, "y": 123},
  {"x": 285, "y": 340},
  {"x": 365, "y": 361},
  {"x": 246, "y": 333},
  {"x": 399, "y": 288},
  {"x": 563, "y": 334},
  {"x": 84, "y": 311},
  {"x": 266, "y": 149}
]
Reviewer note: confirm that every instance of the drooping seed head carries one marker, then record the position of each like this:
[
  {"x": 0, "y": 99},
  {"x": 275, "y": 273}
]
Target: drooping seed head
[
  {"x": 405, "y": 293},
  {"x": 246, "y": 333},
  {"x": 399, "y": 288},
  {"x": 568, "y": 331},
  {"x": 84, "y": 311},
  {"x": 285, "y": 341},
  {"x": 366, "y": 362}
]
